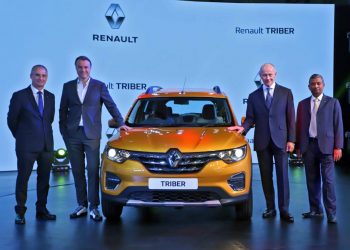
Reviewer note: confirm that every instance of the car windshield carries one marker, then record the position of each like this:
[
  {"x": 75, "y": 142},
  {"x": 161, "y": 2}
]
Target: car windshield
[{"x": 180, "y": 111}]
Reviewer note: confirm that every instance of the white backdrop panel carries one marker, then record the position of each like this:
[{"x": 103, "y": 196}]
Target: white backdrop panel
[{"x": 167, "y": 42}]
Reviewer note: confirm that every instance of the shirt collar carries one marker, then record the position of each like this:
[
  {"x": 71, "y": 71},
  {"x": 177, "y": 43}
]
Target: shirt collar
[
  {"x": 35, "y": 90},
  {"x": 319, "y": 97},
  {"x": 87, "y": 82},
  {"x": 273, "y": 86}
]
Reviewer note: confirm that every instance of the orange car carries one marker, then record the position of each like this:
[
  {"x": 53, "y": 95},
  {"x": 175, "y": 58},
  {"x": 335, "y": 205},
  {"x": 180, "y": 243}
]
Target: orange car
[{"x": 178, "y": 152}]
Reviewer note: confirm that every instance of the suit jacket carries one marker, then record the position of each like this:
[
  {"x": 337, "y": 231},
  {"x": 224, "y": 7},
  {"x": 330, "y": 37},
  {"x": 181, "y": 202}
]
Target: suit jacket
[
  {"x": 32, "y": 132},
  {"x": 276, "y": 123},
  {"x": 329, "y": 125},
  {"x": 71, "y": 109}
]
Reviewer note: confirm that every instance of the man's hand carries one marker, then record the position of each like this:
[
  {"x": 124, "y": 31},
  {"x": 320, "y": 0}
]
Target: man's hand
[
  {"x": 238, "y": 129},
  {"x": 124, "y": 127},
  {"x": 337, "y": 154},
  {"x": 290, "y": 147}
]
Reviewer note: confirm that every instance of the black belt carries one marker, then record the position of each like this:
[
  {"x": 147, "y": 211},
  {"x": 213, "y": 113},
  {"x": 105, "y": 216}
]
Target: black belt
[{"x": 314, "y": 139}]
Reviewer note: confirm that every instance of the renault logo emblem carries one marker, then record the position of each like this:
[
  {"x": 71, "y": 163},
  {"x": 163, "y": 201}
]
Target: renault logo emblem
[
  {"x": 174, "y": 157},
  {"x": 115, "y": 16}
]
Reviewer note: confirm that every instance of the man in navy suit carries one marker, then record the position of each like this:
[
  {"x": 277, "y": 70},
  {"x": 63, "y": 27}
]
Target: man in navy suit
[
  {"x": 271, "y": 109},
  {"x": 320, "y": 140},
  {"x": 80, "y": 126},
  {"x": 31, "y": 113}
]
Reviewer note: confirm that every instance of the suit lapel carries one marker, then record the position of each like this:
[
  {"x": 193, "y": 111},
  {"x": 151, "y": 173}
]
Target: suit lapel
[
  {"x": 276, "y": 95},
  {"x": 74, "y": 91},
  {"x": 306, "y": 116},
  {"x": 323, "y": 102},
  {"x": 47, "y": 102},
  {"x": 89, "y": 91},
  {"x": 308, "y": 106},
  {"x": 32, "y": 100},
  {"x": 261, "y": 97}
]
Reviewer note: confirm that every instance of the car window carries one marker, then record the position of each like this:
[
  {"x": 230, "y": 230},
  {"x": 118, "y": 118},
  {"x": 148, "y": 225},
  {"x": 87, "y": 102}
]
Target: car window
[{"x": 180, "y": 111}]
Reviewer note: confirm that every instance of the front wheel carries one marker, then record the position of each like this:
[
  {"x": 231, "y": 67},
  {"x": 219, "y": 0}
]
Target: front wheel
[
  {"x": 111, "y": 210},
  {"x": 244, "y": 210}
]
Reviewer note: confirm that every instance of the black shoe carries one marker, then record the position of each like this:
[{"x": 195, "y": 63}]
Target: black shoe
[
  {"x": 20, "y": 220},
  {"x": 45, "y": 215},
  {"x": 332, "y": 219},
  {"x": 95, "y": 215},
  {"x": 269, "y": 213},
  {"x": 312, "y": 214},
  {"x": 80, "y": 211},
  {"x": 287, "y": 217}
]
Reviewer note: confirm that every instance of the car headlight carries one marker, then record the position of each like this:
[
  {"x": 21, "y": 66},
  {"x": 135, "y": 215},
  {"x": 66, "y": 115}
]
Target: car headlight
[
  {"x": 117, "y": 155},
  {"x": 233, "y": 155}
]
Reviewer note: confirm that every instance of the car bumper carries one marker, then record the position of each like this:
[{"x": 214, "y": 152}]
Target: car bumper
[
  {"x": 142, "y": 197},
  {"x": 213, "y": 187}
]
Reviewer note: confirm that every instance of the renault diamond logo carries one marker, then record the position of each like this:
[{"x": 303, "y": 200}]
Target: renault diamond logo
[
  {"x": 174, "y": 157},
  {"x": 115, "y": 16}
]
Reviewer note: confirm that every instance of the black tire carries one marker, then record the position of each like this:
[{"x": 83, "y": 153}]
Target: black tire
[
  {"x": 111, "y": 210},
  {"x": 244, "y": 210}
]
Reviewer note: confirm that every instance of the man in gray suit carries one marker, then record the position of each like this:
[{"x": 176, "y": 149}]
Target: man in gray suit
[
  {"x": 320, "y": 140},
  {"x": 271, "y": 109},
  {"x": 80, "y": 126}
]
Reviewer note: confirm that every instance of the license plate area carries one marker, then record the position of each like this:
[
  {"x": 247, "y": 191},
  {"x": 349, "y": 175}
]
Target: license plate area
[{"x": 173, "y": 183}]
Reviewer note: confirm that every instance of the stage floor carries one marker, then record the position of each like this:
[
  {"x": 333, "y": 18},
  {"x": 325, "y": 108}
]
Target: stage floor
[{"x": 169, "y": 228}]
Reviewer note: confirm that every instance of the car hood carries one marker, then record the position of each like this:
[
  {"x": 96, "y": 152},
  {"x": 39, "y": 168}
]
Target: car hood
[{"x": 185, "y": 139}]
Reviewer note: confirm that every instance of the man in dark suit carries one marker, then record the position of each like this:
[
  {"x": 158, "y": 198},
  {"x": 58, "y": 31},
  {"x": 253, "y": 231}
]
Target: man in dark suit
[
  {"x": 271, "y": 109},
  {"x": 320, "y": 140},
  {"x": 30, "y": 116},
  {"x": 80, "y": 126}
]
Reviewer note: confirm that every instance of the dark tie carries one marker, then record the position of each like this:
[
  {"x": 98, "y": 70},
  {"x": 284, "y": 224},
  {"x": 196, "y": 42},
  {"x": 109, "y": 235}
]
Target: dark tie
[
  {"x": 40, "y": 103},
  {"x": 268, "y": 100}
]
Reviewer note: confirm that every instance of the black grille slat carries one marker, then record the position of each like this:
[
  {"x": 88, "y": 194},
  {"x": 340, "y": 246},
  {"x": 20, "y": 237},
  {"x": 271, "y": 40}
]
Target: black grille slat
[
  {"x": 174, "y": 196},
  {"x": 189, "y": 163},
  {"x": 168, "y": 170}
]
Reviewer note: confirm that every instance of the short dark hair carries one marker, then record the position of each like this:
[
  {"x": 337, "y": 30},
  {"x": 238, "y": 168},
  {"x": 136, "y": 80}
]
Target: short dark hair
[
  {"x": 38, "y": 66},
  {"x": 313, "y": 76},
  {"x": 83, "y": 58}
]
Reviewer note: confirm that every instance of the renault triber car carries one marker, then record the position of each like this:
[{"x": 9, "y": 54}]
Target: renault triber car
[{"x": 178, "y": 152}]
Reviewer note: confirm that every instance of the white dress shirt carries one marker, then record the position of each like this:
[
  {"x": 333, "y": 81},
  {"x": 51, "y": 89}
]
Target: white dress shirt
[
  {"x": 272, "y": 89},
  {"x": 81, "y": 89},
  {"x": 35, "y": 94}
]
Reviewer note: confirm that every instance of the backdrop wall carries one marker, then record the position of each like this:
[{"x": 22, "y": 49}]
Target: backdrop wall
[{"x": 161, "y": 42}]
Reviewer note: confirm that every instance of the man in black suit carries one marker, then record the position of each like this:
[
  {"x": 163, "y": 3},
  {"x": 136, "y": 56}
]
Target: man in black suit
[
  {"x": 30, "y": 117},
  {"x": 271, "y": 109},
  {"x": 80, "y": 126},
  {"x": 320, "y": 139}
]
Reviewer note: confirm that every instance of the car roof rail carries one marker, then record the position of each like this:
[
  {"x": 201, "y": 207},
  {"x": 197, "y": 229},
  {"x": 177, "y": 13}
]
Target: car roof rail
[
  {"x": 153, "y": 89},
  {"x": 217, "y": 89}
]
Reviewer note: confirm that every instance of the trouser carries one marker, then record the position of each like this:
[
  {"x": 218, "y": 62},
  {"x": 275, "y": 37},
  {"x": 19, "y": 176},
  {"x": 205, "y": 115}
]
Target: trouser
[
  {"x": 320, "y": 166},
  {"x": 265, "y": 159},
  {"x": 25, "y": 163},
  {"x": 79, "y": 147}
]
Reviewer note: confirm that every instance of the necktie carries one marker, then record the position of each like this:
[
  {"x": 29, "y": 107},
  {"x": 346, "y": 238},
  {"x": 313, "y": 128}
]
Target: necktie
[
  {"x": 268, "y": 99},
  {"x": 313, "y": 122},
  {"x": 40, "y": 103}
]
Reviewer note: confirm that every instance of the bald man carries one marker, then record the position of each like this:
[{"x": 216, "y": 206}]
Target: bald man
[{"x": 271, "y": 109}]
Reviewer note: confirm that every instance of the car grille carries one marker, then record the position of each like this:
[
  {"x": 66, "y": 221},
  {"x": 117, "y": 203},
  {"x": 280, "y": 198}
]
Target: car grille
[
  {"x": 174, "y": 196},
  {"x": 159, "y": 162}
]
